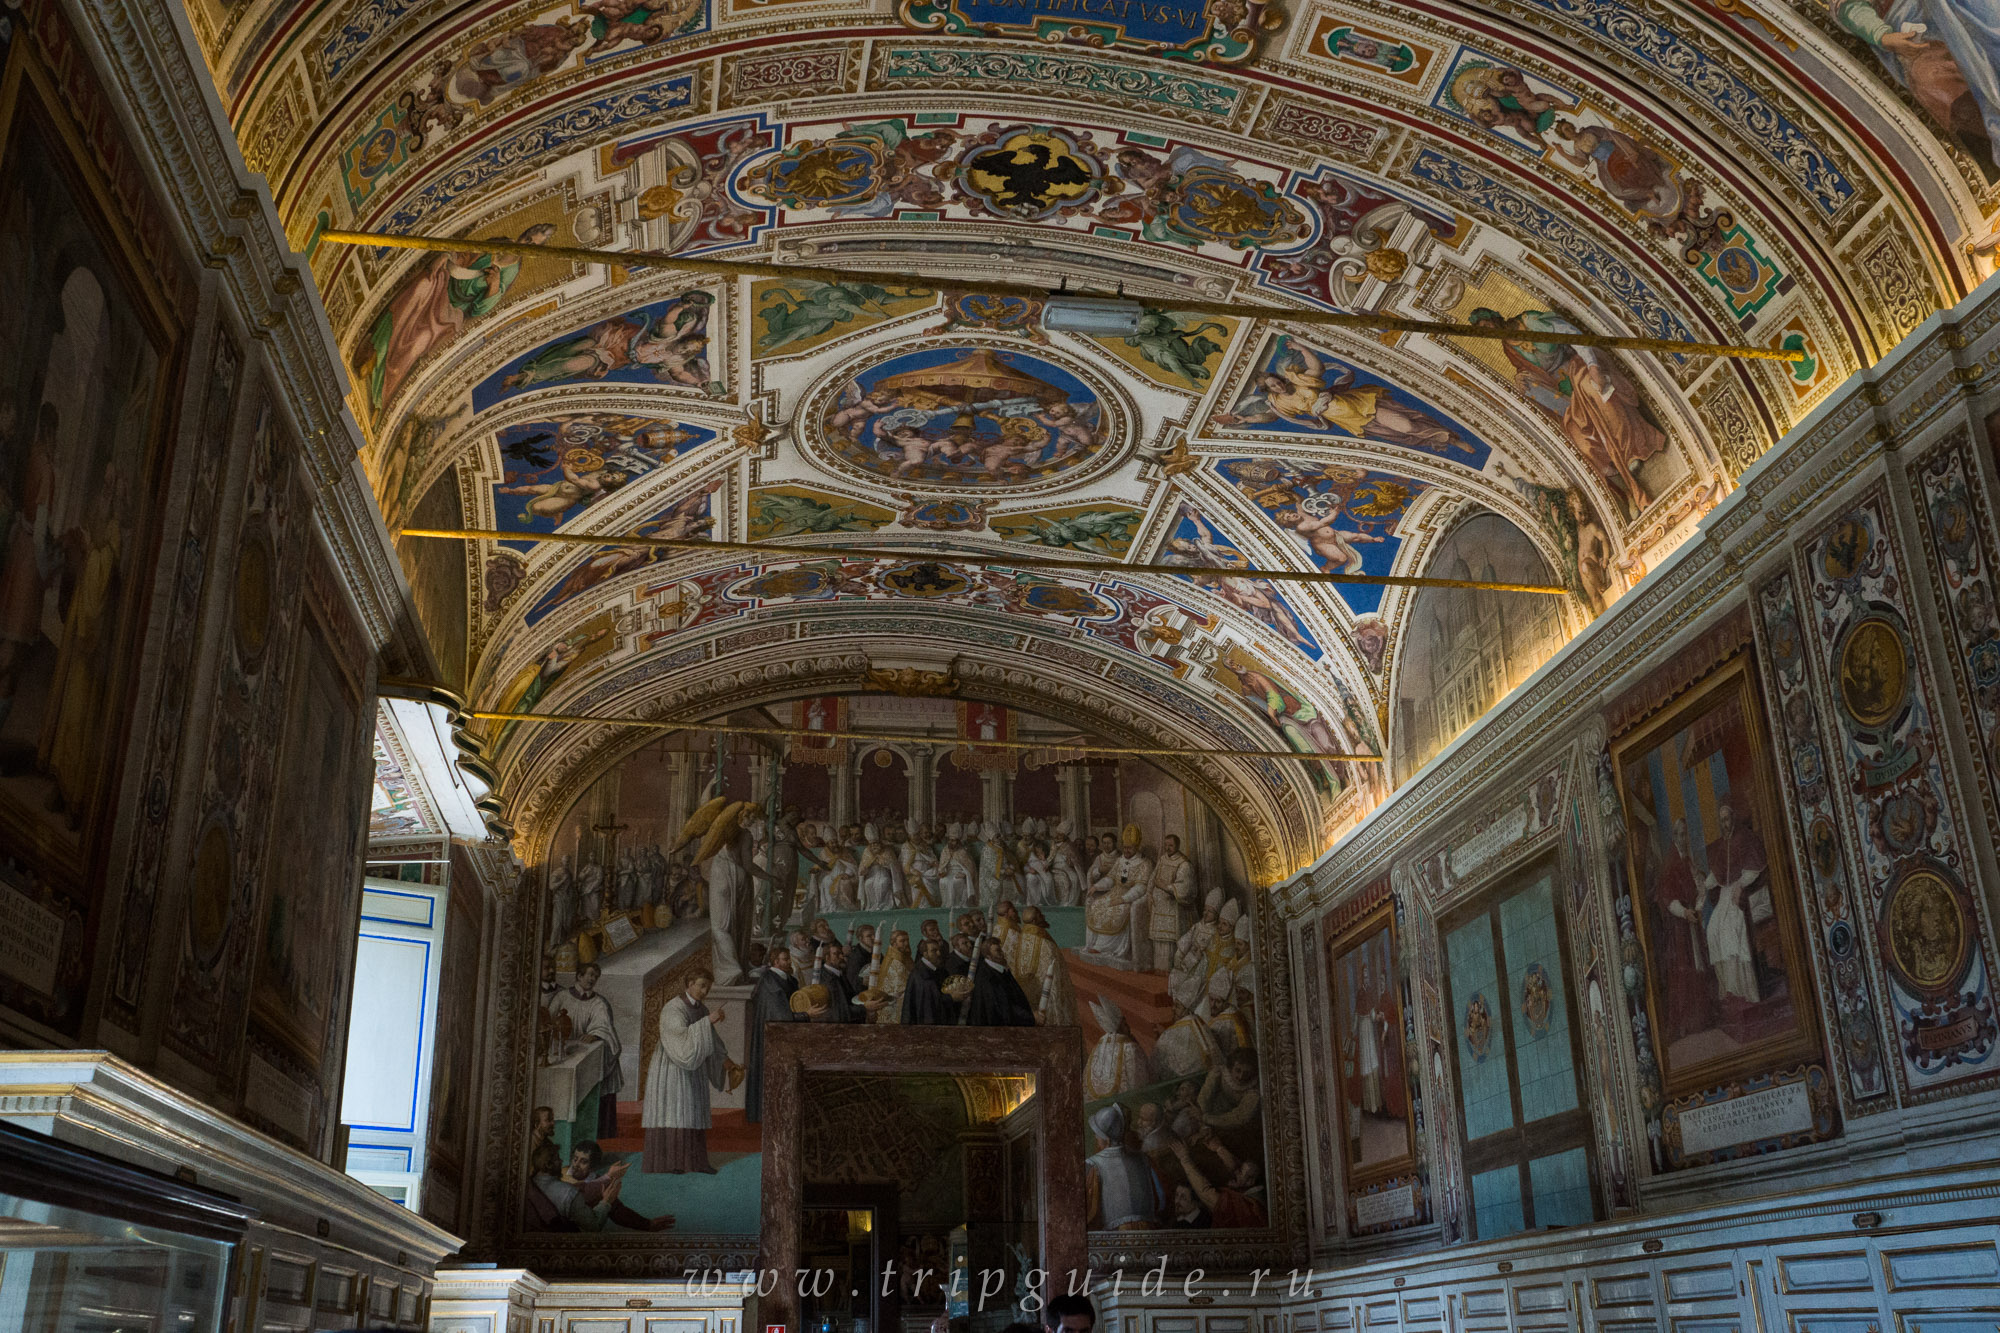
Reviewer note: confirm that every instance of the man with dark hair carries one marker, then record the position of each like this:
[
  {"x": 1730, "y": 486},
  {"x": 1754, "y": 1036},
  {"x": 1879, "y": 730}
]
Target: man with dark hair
[
  {"x": 997, "y": 999},
  {"x": 1070, "y": 1314},
  {"x": 771, "y": 1002},
  {"x": 924, "y": 1002},
  {"x": 841, "y": 1004},
  {"x": 590, "y": 1013},
  {"x": 584, "y": 1195}
]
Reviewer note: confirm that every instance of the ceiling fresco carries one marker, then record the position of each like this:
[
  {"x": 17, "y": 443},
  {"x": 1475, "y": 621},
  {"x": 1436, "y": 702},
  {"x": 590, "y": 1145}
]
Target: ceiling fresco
[{"x": 1814, "y": 178}]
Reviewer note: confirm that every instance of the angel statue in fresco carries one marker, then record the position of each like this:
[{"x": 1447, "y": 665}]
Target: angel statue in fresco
[
  {"x": 1946, "y": 54},
  {"x": 615, "y": 22},
  {"x": 594, "y": 457},
  {"x": 823, "y": 307},
  {"x": 1599, "y": 406},
  {"x": 1315, "y": 520},
  {"x": 673, "y": 345},
  {"x": 1296, "y": 718},
  {"x": 1315, "y": 393},
  {"x": 687, "y": 518},
  {"x": 1183, "y": 351},
  {"x": 446, "y": 292},
  {"x": 1198, "y": 544}
]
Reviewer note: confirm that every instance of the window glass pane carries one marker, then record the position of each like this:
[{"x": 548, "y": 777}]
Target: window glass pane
[
  {"x": 1496, "y": 1203},
  {"x": 1541, "y": 1011},
  {"x": 1562, "y": 1190},
  {"x": 1482, "y": 1041}
]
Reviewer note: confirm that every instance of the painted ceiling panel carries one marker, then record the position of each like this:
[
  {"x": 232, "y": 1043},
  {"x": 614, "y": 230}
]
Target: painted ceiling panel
[{"x": 1666, "y": 168}]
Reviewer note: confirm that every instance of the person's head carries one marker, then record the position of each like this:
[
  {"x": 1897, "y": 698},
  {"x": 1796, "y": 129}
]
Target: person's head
[
  {"x": 1243, "y": 1067},
  {"x": 1725, "y": 819},
  {"x": 931, "y": 931},
  {"x": 867, "y": 935},
  {"x": 1173, "y": 845},
  {"x": 822, "y": 929},
  {"x": 1070, "y": 1314},
  {"x": 1183, "y": 1201},
  {"x": 900, "y": 939},
  {"x": 932, "y": 951},
  {"x": 583, "y": 1159},
  {"x": 586, "y": 978},
  {"x": 962, "y": 943},
  {"x": 1149, "y": 1117},
  {"x": 543, "y": 1120},
  {"x": 1008, "y": 911},
  {"x": 993, "y": 953},
  {"x": 1108, "y": 1124},
  {"x": 1033, "y": 917},
  {"x": 757, "y": 955},
  {"x": 781, "y": 961},
  {"x": 699, "y": 984},
  {"x": 835, "y": 955},
  {"x": 1107, "y": 843},
  {"x": 1245, "y": 1177},
  {"x": 545, "y": 1160}
]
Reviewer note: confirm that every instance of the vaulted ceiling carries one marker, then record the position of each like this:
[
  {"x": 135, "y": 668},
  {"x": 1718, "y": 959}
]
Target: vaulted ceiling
[{"x": 1740, "y": 171}]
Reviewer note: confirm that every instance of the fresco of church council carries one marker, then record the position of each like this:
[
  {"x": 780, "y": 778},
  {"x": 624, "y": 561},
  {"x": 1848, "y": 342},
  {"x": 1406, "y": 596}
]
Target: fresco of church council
[{"x": 969, "y": 886}]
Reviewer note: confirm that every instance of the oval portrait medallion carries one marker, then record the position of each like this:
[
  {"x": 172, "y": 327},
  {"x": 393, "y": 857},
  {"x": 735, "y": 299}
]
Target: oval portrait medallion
[
  {"x": 963, "y": 417},
  {"x": 1925, "y": 928},
  {"x": 1874, "y": 672}
]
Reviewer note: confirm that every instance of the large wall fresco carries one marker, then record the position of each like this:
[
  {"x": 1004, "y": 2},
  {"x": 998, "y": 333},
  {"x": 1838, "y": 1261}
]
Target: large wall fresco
[
  {"x": 92, "y": 364},
  {"x": 1715, "y": 901},
  {"x": 949, "y": 884}
]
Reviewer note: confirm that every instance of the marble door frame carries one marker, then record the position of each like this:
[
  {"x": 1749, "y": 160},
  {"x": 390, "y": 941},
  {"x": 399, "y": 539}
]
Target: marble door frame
[{"x": 1053, "y": 1055}]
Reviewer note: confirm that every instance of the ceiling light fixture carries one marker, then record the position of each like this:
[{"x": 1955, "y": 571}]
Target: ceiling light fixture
[
  {"x": 1069, "y": 745},
  {"x": 1100, "y": 316},
  {"x": 1366, "y": 323},
  {"x": 977, "y": 561}
]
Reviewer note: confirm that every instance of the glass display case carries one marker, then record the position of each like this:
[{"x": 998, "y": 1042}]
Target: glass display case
[{"x": 91, "y": 1245}]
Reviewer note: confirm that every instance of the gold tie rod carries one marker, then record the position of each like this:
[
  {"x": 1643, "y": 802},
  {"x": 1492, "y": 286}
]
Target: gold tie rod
[
  {"x": 732, "y": 729},
  {"x": 736, "y": 268},
  {"x": 980, "y": 561}
]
